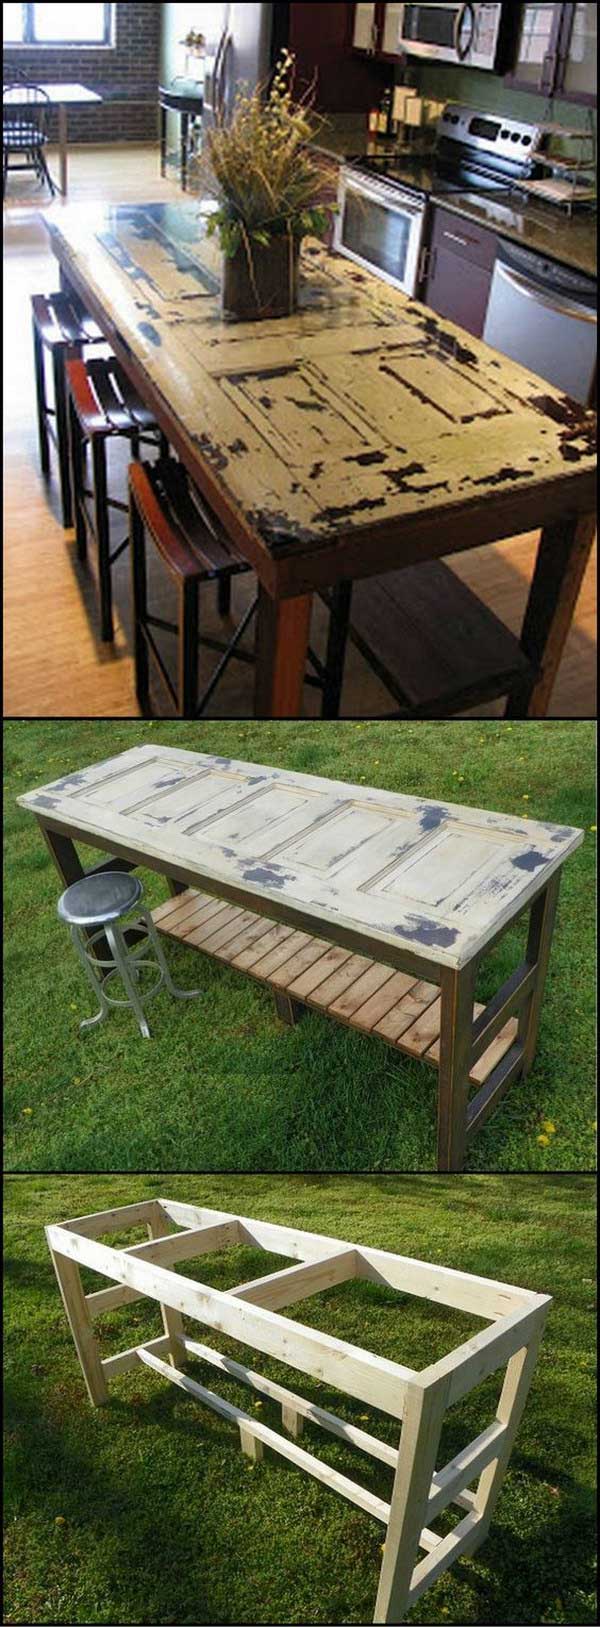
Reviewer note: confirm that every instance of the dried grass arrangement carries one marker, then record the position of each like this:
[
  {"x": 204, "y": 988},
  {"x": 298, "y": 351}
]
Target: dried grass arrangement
[{"x": 272, "y": 192}]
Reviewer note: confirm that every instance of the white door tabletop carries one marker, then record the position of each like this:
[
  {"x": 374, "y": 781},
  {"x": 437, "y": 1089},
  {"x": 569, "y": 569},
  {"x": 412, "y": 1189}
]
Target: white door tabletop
[{"x": 428, "y": 878}]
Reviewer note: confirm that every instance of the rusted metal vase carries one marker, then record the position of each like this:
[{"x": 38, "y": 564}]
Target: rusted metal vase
[{"x": 262, "y": 280}]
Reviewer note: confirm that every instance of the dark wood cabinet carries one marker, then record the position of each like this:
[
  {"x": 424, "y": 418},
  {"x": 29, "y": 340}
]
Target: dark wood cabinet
[
  {"x": 556, "y": 51},
  {"x": 321, "y": 39},
  {"x": 460, "y": 263}
]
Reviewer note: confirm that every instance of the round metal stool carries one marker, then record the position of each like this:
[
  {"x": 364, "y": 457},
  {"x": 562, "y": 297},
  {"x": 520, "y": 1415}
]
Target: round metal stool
[{"x": 102, "y": 902}]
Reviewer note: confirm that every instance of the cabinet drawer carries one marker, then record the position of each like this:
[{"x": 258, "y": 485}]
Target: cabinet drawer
[
  {"x": 456, "y": 235},
  {"x": 459, "y": 292}
]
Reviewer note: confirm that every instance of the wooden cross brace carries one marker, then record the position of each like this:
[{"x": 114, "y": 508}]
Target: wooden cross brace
[{"x": 250, "y": 1313}]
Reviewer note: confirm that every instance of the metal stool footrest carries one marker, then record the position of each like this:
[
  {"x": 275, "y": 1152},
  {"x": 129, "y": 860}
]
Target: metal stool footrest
[{"x": 127, "y": 962}]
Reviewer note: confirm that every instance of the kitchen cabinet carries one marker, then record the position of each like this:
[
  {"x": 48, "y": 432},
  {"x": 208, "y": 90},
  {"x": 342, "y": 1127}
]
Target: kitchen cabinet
[
  {"x": 366, "y": 27},
  {"x": 459, "y": 263},
  {"x": 345, "y": 80},
  {"x": 555, "y": 52},
  {"x": 376, "y": 29},
  {"x": 577, "y": 54}
]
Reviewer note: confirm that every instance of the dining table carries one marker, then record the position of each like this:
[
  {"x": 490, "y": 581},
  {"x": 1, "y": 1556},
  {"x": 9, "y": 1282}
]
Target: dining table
[
  {"x": 63, "y": 96},
  {"x": 375, "y": 907},
  {"x": 358, "y": 436}
]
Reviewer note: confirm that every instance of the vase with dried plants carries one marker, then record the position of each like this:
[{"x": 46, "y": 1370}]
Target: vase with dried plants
[{"x": 272, "y": 192}]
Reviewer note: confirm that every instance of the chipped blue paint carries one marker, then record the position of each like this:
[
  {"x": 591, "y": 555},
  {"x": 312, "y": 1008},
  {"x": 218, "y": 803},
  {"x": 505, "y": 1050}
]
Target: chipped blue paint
[
  {"x": 531, "y": 860},
  {"x": 267, "y": 875},
  {"x": 432, "y": 815},
  {"x": 148, "y": 331},
  {"x": 69, "y": 781},
  {"x": 429, "y": 933},
  {"x": 46, "y": 802}
]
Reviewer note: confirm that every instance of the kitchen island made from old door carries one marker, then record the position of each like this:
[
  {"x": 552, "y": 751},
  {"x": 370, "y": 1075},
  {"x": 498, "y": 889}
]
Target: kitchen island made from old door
[
  {"x": 373, "y": 906},
  {"x": 361, "y": 435}
]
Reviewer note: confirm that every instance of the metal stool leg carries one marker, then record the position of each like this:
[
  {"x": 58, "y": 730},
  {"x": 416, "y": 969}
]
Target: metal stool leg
[
  {"x": 137, "y": 547},
  {"x": 123, "y": 964},
  {"x": 94, "y": 978},
  {"x": 224, "y": 595},
  {"x": 41, "y": 403},
  {"x": 102, "y": 529},
  {"x": 77, "y": 453},
  {"x": 154, "y": 939},
  {"x": 62, "y": 434}
]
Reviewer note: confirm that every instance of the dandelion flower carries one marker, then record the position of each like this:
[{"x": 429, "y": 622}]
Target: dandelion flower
[{"x": 543, "y": 1141}]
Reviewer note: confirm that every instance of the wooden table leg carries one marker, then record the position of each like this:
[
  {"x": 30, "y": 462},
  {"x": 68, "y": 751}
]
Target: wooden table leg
[
  {"x": 457, "y": 991},
  {"x": 282, "y": 629},
  {"x": 62, "y": 146},
  {"x": 562, "y": 556},
  {"x": 539, "y": 944}
]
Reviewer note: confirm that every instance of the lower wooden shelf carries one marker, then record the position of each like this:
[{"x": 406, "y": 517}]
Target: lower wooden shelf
[{"x": 351, "y": 988}]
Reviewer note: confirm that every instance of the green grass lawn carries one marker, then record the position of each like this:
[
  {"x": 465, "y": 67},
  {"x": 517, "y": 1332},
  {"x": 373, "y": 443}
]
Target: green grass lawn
[
  {"x": 223, "y": 1084},
  {"x": 146, "y": 1510}
]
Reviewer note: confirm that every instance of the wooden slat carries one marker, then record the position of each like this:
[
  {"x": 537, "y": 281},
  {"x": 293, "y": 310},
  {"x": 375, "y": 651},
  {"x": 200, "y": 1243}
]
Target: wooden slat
[
  {"x": 283, "y": 952},
  {"x": 409, "y": 1009},
  {"x": 353, "y": 998},
  {"x": 248, "y": 958},
  {"x": 301, "y": 962},
  {"x": 384, "y": 1000},
  {"x": 311, "y": 980},
  {"x": 269, "y": 1437},
  {"x": 341, "y": 979},
  {"x": 351, "y": 988},
  {"x": 295, "y": 1403}
]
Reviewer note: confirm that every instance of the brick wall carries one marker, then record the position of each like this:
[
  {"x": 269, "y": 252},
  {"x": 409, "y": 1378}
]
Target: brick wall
[{"x": 125, "y": 75}]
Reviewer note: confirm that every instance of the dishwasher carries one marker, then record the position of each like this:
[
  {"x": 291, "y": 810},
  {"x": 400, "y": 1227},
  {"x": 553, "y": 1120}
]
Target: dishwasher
[{"x": 544, "y": 315}]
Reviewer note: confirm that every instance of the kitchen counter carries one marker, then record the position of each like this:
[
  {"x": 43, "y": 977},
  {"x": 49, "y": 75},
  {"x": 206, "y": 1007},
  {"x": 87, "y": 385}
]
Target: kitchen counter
[{"x": 535, "y": 226}]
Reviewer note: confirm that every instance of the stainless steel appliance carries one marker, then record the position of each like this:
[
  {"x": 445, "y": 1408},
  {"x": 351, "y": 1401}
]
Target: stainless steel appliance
[
  {"x": 545, "y": 316},
  {"x": 467, "y": 34},
  {"x": 242, "y": 42},
  {"x": 379, "y": 224}
]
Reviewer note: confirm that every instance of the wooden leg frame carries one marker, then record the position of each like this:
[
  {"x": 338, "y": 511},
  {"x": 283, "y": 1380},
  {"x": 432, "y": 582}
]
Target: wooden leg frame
[
  {"x": 249, "y": 1312},
  {"x": 467, "y": 1030}
]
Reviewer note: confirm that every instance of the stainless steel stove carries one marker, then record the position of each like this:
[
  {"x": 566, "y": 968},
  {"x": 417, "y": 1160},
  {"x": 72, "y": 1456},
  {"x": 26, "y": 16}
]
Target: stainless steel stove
[{"x": 383, "y": 195}]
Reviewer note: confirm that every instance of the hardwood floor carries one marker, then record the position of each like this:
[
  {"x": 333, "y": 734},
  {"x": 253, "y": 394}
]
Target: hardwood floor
[{"x": 55, "y": 665}]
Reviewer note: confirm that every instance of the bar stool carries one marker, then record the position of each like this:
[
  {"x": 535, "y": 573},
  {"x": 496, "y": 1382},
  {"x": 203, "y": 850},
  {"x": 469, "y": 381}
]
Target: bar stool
[
  {"x": 61, "y": 327},
  {"x": 166, "y": 507},
  {"x": 102, "y": 405},
  {"x": 93, "y": 909},
  {"x": 194, "y": 549}
]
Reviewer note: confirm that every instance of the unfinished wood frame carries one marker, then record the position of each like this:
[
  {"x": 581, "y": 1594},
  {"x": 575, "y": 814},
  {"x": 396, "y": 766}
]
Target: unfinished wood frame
[{"x": 249, "y": 1312}]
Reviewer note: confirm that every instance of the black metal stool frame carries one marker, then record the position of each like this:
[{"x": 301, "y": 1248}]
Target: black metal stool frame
[{"x": 97, "y": 528}]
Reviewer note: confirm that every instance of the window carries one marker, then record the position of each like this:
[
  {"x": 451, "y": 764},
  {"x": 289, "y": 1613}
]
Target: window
[{"x": 54, "y": 24}]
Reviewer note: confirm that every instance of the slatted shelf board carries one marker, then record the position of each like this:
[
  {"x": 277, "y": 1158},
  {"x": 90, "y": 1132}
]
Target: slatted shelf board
[{"x": 354, "y": 989}]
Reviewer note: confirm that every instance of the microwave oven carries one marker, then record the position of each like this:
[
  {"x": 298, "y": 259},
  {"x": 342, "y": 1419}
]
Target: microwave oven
[{"x": 466, "y": 34}]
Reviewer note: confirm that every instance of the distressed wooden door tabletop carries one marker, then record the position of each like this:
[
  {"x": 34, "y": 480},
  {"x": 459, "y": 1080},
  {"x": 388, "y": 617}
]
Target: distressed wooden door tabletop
[
  {"x": 359, "y": 435},
  {"x": 403, "y": 875}
]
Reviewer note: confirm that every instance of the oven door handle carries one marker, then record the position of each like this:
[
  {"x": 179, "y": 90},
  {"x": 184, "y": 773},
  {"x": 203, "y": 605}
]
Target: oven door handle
[
  {"x": 558, "y": 306},
  {"x": 385, "y": 196},
  {"x": 462, "y": 50}
]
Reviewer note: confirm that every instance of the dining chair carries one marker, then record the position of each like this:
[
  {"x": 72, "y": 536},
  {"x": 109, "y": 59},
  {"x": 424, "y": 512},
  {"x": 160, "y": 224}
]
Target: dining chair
[{"x": 25, "y": 118}]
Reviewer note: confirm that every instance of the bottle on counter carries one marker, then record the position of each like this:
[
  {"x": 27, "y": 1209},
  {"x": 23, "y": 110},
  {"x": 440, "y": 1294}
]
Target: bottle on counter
[
  {"x": 373, "y": 121},
  {"x": 385, "y": 112}
]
